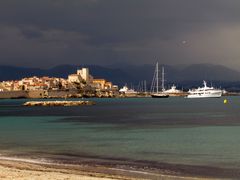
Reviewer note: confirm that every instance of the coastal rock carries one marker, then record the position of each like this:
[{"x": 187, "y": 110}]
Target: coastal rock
[{"x": 58, "y": 103}]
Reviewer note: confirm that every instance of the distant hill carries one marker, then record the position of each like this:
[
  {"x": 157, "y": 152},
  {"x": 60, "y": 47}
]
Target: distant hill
[
  {"x": 182, "y": 76},
  {"x": 13, "y": 72}
]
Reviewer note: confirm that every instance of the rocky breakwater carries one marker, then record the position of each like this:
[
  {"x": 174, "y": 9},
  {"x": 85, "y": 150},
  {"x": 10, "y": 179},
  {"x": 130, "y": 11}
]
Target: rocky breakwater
[{"x": 59, "y": 103}]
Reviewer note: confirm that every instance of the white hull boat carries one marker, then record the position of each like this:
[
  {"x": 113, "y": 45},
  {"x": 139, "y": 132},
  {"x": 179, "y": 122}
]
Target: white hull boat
[
  {"x": 159, "y": 95},
  {"x": 205, "y": 92},
  {"x": 126, "y": 90}
]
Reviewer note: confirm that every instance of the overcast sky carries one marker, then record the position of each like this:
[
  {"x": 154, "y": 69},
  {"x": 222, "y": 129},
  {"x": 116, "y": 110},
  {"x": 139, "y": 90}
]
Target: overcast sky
[{"x": 42, "y": 33}]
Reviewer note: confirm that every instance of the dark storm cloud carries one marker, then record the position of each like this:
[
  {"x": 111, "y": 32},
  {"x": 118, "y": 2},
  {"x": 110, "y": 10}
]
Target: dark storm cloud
[{"x": 42, "y": 33}]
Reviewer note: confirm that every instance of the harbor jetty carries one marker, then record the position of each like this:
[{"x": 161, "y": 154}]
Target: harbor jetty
[{"x": 59, "y": 103}]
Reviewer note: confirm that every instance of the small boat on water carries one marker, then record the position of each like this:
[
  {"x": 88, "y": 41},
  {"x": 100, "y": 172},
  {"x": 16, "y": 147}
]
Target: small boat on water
[
  {"x": 155, "y": 85},
  {"x": 205, "y": 92}
]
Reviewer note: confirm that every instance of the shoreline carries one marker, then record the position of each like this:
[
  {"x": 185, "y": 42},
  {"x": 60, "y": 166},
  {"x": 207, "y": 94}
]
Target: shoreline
[
  {"x": 107, "y": 97},
  {"x": 13, "y": 167}
]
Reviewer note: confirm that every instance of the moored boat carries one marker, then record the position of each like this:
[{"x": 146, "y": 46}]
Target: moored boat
[
  {"x": 126, "y": 90},
  {"x": 173, "y": 91},
  {"x": 155, "y": 82},
  {"x": 159, "y": 95},
  {"x": 204, "y": 92}
]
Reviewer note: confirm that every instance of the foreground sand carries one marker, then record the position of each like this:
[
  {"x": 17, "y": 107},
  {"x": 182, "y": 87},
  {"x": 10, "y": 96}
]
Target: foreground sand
[
  {"x": 27, "y": 171},
  {"x": 10, "y": 173},
  {"x": 22, "y": 170}
]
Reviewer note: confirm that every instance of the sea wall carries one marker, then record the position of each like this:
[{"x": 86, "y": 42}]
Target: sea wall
[
  {"x": 38, "y": 94},
  {"x": 13, "y": 94},
  {"x": 62, "y": 93}
]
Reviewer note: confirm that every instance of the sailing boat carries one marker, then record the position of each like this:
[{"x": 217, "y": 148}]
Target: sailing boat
[{"x": 155, "y": 82}]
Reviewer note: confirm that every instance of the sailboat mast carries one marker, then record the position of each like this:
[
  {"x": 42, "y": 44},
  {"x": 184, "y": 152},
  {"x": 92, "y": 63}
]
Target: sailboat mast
[
  {"x": 163, "y": 79},
  {"x": 157, "y": 75}
]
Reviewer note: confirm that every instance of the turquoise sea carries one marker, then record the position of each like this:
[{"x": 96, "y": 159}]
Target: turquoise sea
[{"x": 175, "y": 132}]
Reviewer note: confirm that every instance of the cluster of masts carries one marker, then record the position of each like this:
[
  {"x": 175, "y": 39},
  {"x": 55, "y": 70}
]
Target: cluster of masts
[
  {"x": 156, "y": 92},
  {"x": 155, "y": 81}
]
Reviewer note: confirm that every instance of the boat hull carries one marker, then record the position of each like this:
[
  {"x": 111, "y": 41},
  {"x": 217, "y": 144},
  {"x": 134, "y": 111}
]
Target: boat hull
[
  {"x": 160, "y": 95},
  {"x": 217, "y": 95}
]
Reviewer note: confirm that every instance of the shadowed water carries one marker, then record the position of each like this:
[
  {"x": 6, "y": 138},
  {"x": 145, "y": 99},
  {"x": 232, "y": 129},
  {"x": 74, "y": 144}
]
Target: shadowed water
[{"x": 195, "y": 132}]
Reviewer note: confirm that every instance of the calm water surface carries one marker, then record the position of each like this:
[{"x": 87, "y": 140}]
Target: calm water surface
[{"x": 175, "y": 130}]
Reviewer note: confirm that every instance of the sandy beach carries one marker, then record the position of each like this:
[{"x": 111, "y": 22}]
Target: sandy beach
[
  {"x": 21, "y": 170},
  {"x": 27, "y": 171}
]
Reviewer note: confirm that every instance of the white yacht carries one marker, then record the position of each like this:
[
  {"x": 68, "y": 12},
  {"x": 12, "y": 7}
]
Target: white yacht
[
  {"x": 158, "y": 94},
  {"x": 204, "y": 92},
  {"x": 126, "y": 90}
]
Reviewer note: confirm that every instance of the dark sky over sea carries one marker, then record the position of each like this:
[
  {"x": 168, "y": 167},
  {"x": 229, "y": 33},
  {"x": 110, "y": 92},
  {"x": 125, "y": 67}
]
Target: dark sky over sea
[{"x": 47, "y": 33}]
